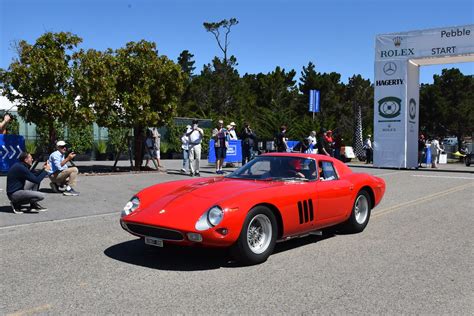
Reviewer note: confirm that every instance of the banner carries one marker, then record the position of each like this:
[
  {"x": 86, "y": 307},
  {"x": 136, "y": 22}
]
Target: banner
[{"x": 11, "y": 147}]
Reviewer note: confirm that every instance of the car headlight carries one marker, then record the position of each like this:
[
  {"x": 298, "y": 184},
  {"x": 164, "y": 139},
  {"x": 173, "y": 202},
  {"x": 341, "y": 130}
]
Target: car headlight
[
  {"x": 215, "y": 215},
  {"x": 131, "y": 206},
  {"x": 210, "y": 218}
]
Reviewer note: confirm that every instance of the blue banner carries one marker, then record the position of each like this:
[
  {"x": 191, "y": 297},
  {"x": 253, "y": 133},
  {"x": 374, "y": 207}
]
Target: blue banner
[
  {"x": 314, "y": 101},
  {"x": 11, "y": 147},
  {"x": 233, "y": 154}
]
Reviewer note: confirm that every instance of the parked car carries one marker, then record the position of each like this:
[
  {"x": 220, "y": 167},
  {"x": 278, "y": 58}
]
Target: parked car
[{"x": 272, "y": 198}]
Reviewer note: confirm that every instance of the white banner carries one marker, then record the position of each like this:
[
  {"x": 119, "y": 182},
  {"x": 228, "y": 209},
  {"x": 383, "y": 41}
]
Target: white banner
[{"x": 396, "y": 95}]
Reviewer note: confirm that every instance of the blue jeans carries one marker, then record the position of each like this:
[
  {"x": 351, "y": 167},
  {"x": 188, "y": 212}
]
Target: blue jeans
[{"x": 185, "y": 158}]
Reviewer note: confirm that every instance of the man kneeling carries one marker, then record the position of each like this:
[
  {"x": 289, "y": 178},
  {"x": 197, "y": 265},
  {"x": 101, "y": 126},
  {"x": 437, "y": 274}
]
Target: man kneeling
[
  {"x": 60, "y": 174},
  {"x": 23, "y": 185}
]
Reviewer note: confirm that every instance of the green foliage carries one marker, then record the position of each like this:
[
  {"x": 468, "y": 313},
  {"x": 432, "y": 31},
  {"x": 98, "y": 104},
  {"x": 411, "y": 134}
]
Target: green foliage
[
  {"x": 164, "y": 147},
  {"x": 40, "y": 80},
  {"x": 101, "y": 147},
  {"x": 80, "y": 139},
  {"x": 31, "y": 147},
  {"x": 43, "y": 136},
  {"x": 118, "y": 138}
]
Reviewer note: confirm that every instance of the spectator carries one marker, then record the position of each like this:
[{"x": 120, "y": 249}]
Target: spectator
[
  {"x": 185, "y": 148},
  {"x": 368, "y": 149},
  {"x": 435, "y": 151},
  {"x": 232, "y": 132},
  {"x": 322, "y": 142},
  {"x": 421, "y": 149},
  {"x": 3, "y": 124},
  {"x": 248, "y": 142},
  {"x": 282, "y": 140},
  {"x": 302, "y": 146},
  {"x": 312, "y": 141},
  {"x": 221, "y": 139},
  {"x": 23, "y": 184},
  {"x": 195, "y": 135},
  {"x": 157, "y": 139},
  {"x": 329, "y": 143},
  {"x": 150, "y": 150},
  {"x": 60, "y": 174},
  {"x": 337, "y": 144}
]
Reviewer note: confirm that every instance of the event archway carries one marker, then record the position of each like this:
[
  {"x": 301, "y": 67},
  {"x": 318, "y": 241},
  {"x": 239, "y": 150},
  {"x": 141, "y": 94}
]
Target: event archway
[{"x": 398, "y": 57}]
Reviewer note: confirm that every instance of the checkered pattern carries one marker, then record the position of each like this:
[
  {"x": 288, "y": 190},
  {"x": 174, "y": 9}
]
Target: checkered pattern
[{"x": 357, "y": 139}]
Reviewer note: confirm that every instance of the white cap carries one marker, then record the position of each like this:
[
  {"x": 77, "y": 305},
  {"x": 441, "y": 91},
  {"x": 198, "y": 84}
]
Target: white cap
[
  {"x": 60, "y": 143},
  {"x": 232, "y": 124}
]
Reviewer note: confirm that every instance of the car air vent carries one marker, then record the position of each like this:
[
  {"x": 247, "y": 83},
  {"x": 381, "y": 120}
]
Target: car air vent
[
  {"x": 305, "y": 211},
  {"x": 155, "y": 232}
]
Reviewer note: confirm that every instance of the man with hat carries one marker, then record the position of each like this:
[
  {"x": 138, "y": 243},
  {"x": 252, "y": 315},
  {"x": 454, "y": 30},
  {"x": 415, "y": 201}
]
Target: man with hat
[
  {"x": 232, "y": 133},
  {"x": 195, "y": 135},
  {"x": 221, "y": 142},
  {"x": 368, "y": 149},
  {"x": 60, "y": 174}
]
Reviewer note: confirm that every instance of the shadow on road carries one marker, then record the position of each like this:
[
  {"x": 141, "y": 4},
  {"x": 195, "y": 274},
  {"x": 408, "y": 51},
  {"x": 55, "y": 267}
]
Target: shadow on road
[{"x": 177, "y": 258}]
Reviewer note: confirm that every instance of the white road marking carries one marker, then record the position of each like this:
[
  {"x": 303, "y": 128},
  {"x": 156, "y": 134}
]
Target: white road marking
[{"x": 445, "y": 177}]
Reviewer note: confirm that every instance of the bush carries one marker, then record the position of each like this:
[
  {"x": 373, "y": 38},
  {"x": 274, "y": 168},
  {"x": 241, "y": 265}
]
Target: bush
[
  {"x": 101, "y": 147},
  {"x": 42, "y": 134},
  {"x": 164, "y": 147},
  {"x": 118, "y": 139},
  {"x": 31, "y": 147}
]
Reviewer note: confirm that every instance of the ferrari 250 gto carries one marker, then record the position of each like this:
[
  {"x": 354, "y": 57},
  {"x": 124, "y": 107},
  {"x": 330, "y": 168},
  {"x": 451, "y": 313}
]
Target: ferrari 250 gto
[{"x": 272, "y": 198}]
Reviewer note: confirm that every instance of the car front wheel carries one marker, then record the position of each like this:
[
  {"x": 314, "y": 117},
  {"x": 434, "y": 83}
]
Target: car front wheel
[
  {"x": 257, "y": 238},
  {"x": 360, "y": 213}
]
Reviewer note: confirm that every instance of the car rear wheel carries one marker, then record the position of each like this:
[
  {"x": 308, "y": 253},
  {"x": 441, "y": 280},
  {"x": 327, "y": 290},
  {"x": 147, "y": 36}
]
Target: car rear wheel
[
  {"x": 257, "y": 238},
  {"x": 360, "y": 213}
]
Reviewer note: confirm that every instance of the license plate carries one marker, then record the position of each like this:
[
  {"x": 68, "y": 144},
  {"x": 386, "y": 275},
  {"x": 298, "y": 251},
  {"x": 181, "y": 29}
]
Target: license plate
[{"x": 154, "y": 241}]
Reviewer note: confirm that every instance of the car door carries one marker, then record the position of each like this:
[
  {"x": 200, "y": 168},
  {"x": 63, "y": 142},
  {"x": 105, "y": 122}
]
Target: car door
[{"x": 333, "y": 195}]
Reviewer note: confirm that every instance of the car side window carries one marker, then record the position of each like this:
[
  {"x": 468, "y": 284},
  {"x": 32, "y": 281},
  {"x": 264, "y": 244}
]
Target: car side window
[{"x": 327, "y": 171}]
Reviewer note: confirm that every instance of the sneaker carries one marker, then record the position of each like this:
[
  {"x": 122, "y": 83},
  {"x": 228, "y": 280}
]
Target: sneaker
[
  {"x": 16, "y": 208},
  {"x": 191, "y": 174},
  {"x": 197, "y": 174},
  {"x": 37, "y": 207},
  {"x": 54, "y": 187},
  {"x": 71, "y": 192},
  {"x": 183, "y": 170}
]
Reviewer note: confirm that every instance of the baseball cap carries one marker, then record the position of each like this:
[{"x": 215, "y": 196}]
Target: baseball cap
[{"x": 60, "y": 143}]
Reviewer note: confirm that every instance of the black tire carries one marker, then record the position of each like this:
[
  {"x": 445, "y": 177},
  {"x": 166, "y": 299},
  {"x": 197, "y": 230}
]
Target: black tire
[
  {"x": 260, "y": 220},
  {"x": 359, "y": 217}
]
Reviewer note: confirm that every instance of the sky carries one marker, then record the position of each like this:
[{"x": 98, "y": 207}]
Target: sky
[{"x": 336, "y": 35}]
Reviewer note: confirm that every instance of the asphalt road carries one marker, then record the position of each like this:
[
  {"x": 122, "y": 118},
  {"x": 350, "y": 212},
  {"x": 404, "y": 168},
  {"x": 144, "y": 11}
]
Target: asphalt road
[{"x": 415, "y": 257}]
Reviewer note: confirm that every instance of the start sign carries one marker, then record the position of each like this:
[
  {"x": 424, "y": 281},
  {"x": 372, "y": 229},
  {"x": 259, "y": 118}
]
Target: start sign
[{"x": 11, "y": 147}]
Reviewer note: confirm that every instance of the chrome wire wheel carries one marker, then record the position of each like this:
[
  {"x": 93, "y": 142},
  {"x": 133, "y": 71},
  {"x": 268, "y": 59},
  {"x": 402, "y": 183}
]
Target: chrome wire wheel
[
  {"x": 259, "y": 234},
  {"x": 361, "y": 209}
]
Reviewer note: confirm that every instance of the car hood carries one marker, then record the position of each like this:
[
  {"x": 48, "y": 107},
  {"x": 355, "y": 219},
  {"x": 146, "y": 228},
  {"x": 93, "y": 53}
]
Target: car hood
[{"x": 182, "y": 207}]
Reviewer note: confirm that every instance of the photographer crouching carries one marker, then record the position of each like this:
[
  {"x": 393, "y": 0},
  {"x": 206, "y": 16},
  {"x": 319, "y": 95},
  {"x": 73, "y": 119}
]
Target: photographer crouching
[{"x": 60, "y": 174}]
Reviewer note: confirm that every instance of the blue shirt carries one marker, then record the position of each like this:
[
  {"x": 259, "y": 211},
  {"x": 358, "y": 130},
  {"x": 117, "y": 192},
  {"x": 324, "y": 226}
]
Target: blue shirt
[{"x": 55, "y": 160}]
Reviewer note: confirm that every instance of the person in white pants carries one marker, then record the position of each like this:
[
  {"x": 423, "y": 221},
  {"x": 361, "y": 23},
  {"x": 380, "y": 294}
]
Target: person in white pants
[{"x": 195, "y": 138}]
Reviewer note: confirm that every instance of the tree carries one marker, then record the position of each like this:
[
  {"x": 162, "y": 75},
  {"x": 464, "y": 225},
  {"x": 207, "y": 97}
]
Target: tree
[
  {"x": 216, "y": 27},
  {"x": 185, "y": 60},
  {"x": 148, "y": 90},
  {"x": 39, "y": 80},
  {"x": 448, "y": 103}
]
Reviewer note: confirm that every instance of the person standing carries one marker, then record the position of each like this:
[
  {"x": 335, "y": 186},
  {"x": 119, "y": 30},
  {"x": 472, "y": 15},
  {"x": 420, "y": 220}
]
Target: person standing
[
  {"x": 221, "y": 139},
  {"x": 368, "y": 149},
  {"x": 185, "y": 148},
  {"x": 312, "y": 142},
  {"x": 282, "y": 140},
  {"x": 195, "y": 138},
  {"x": 322, "y": 143},
  {"x": 23, "y": 184},
  {"x": 330, "y": 143},
  {"x": 248, "y": 141},
  {"x": 150, "y": 152},
  {"x": 421, "y": 149},
  {"x": 435, "y": 149},
  {"x": 232, "y": 132},
  {"x": 157, "y": 144},
  {"x": 337, "y": 144},
  {"x": 60, "y": 174}
]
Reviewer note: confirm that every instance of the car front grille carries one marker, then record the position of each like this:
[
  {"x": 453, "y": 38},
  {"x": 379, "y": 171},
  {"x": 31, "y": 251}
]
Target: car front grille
[{"x": 155, "y": 232}]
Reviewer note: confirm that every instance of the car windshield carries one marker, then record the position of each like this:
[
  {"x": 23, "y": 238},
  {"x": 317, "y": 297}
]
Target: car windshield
[{"x": 267, "y": 168}]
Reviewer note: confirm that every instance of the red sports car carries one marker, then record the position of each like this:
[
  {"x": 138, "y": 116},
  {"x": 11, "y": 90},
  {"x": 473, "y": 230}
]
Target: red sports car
[{"x": 273, "y": 197}]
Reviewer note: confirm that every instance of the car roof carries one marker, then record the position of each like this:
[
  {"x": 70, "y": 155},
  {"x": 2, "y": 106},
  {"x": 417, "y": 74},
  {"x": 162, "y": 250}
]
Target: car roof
[{"x": 341, "y": 167}]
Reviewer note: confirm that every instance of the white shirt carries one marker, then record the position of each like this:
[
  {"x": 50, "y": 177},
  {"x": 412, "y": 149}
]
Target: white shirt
[{"x": 233, "y": 134}]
